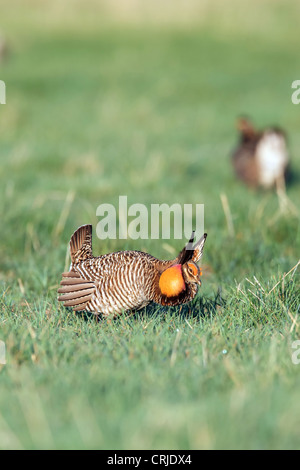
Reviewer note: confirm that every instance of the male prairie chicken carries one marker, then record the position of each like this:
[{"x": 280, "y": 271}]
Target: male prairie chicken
[
  {"x": 261, "y": 157},
  {"x": 127, "y": 280}
]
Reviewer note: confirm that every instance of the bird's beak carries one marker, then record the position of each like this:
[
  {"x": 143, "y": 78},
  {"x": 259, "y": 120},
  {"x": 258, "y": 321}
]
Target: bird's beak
[{"x": 199, "y": 282}]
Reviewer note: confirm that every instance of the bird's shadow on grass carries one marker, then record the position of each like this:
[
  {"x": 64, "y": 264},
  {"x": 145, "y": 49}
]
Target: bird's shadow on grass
[{"x": 200, "y": 307}]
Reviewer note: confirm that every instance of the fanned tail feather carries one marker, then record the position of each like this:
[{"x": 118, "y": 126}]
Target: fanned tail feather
[{"x": 81, "y": 244}]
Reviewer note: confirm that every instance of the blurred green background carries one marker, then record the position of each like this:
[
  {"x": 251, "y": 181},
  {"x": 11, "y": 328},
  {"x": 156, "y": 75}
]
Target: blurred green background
[{"x": 140, "y": 98}]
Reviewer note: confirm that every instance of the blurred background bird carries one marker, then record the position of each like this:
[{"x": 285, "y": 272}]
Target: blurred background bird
[
  {"x": 261, "y": 158},
  {"x": 127, "y": 280}
]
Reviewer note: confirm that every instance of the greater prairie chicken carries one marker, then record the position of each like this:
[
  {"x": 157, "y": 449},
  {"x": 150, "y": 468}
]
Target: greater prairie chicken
[
  {"x": 261, "y": 157},
  {"x": 127, "y": 280}
]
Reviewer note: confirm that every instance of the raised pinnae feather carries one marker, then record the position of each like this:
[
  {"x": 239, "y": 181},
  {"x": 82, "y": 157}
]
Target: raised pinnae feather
[
  {"x": 198, "y": 248},
  {"x": 190, "y": 251}
]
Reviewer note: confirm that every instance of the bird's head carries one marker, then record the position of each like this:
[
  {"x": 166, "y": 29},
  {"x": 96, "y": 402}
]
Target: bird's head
[
  {"x": 173, "y": 280},
  {"x": 246, "y": 128},
  {"x": 191, "y": 273}
]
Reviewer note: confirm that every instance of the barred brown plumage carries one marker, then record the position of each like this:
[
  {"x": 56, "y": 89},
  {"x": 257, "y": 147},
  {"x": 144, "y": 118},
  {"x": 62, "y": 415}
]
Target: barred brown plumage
[{"x": 127, "y": 280}]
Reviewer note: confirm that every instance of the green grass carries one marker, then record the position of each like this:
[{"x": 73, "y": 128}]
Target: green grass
[{"x": 148, "y": 111}]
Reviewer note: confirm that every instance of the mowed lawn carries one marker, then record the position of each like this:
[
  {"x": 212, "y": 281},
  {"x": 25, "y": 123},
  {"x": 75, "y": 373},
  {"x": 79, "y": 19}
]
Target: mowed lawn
[{"x": 147, "y": 110}]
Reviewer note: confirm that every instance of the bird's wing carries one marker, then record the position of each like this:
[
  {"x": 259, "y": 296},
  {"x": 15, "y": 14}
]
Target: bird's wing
[{"x": 76, "y": 291}]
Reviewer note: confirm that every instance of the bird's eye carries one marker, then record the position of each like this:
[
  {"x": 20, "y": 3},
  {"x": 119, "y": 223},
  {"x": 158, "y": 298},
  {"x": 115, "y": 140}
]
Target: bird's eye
[{"x": 192, "y": 269}]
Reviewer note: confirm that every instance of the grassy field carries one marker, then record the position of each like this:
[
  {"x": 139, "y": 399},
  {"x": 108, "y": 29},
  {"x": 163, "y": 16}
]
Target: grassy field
[{"x": 104, "y": 102}]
